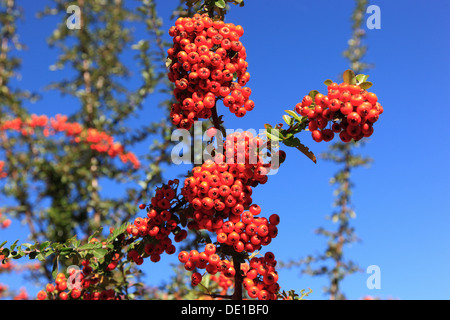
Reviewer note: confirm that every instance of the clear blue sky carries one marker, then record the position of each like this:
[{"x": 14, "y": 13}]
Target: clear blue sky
[{"x": 402, "y": 202}]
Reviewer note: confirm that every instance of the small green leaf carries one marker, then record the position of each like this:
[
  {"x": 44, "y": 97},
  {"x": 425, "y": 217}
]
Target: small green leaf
[
  {"x": 3, "y": 243},
  {"x": 275, "y": 137},
  {"x": 13, "y": 246},
  {"x": 44, "y": 245},
  {"x": 66, "y": 251},
  {"x": 272, "y": 137},
  {"x": 96, "y": 233},
  {"x": 360, "y": 78},
  {"x": 48, "y": 253},
  {"x": 90, "y": 246},
  {"x": 313, "y": 93},
  {"x": 292, "y": 142},
  {"x": 366, "y": 85},
  {"x": 287, "y": 119},
  {"x": 26, "y": 245},
  {"x": 100, "y": 253},
  {"x": 117, "y": 232},
  {"x": 294, "y": 115},
  {"x": 220, "y": 4},
  {"x": 328, "y": 82},
  {"x": 349, "y": 77}
]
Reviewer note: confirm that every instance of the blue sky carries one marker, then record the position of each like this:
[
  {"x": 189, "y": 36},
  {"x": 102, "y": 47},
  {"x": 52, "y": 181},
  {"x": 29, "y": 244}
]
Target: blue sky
[{"x": 402, "y": 202}]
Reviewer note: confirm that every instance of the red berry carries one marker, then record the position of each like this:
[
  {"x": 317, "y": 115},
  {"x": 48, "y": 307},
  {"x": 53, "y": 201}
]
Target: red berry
[{"x": 41, "y": 295}]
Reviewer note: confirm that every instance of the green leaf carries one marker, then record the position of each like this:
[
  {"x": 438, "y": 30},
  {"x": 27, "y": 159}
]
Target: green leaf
[
  {"x": 90, "y": 246},
  {"x": 349, "y": 77},
  {"x": 13, "y": 246},
  {"x": 360, "y": 78},
  {"x": 26, "y": 245},
  {"x": 66, "y": 251},
  {"x": 287, "y": 119},
  {"x": 292, "y": 142},
  {"x": 48, "y": 253},
  {"x": 117, "y": 232},
  {"x": 366, "y": 85},
  {"x": 273, "y": 137},
  {"x": 100, "y": 253},
  {"x": 96, "y": 233},
  {"x": 313, "y": 93},
  {"x": 235, "y": 76},
  {"x": 286, "y": 135},
  {"x": 44, "y": 245},
  {"x": 220, "y": 4},
  {"x": 3, "y": 243},
  {"x": 328, "y": 82},
  {"x": 294, "y": 115}
]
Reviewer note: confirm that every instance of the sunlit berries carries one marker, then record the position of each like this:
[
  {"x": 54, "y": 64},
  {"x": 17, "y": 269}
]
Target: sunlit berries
[
  {"x": 261, "y": 279},
  {"x": 347, "y": 111},
  {"x": 157, "y": 226},
  {"x": 207, "y": 62}
]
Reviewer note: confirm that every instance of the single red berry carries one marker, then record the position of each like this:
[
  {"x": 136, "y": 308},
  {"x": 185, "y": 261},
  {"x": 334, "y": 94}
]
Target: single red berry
[
  {"x": 274, "y": 219},
  {"x": 63, "y": 295},
  {"x": 255, "y": 209},
  {"x": 210, "y": 249},
  {"x": 196, "y": 278},
  {"x": 317, "y": 135},
  {"x": 41, "y": 295},
  {"x": 307, "y": 101}
]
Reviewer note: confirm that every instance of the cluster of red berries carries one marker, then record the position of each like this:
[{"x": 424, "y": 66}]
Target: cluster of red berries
[
  {"x": 222, "y": 188},
  {"x": 261, "y": 279},
  {"x": 245, "y": 152},
  {"x": 220, "y": 192},
  {"x": 215, "y": 194},
  {"x": 97, "y": 140},
  {"x": 84, "y": 290},
  {"x": 208, "y": 260},
  {"x": 352, "y": 110},
  {"x": 250, "y": 233},
  {"x": 156, "y": 228},
  {"x": 208, "y": 62}
]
